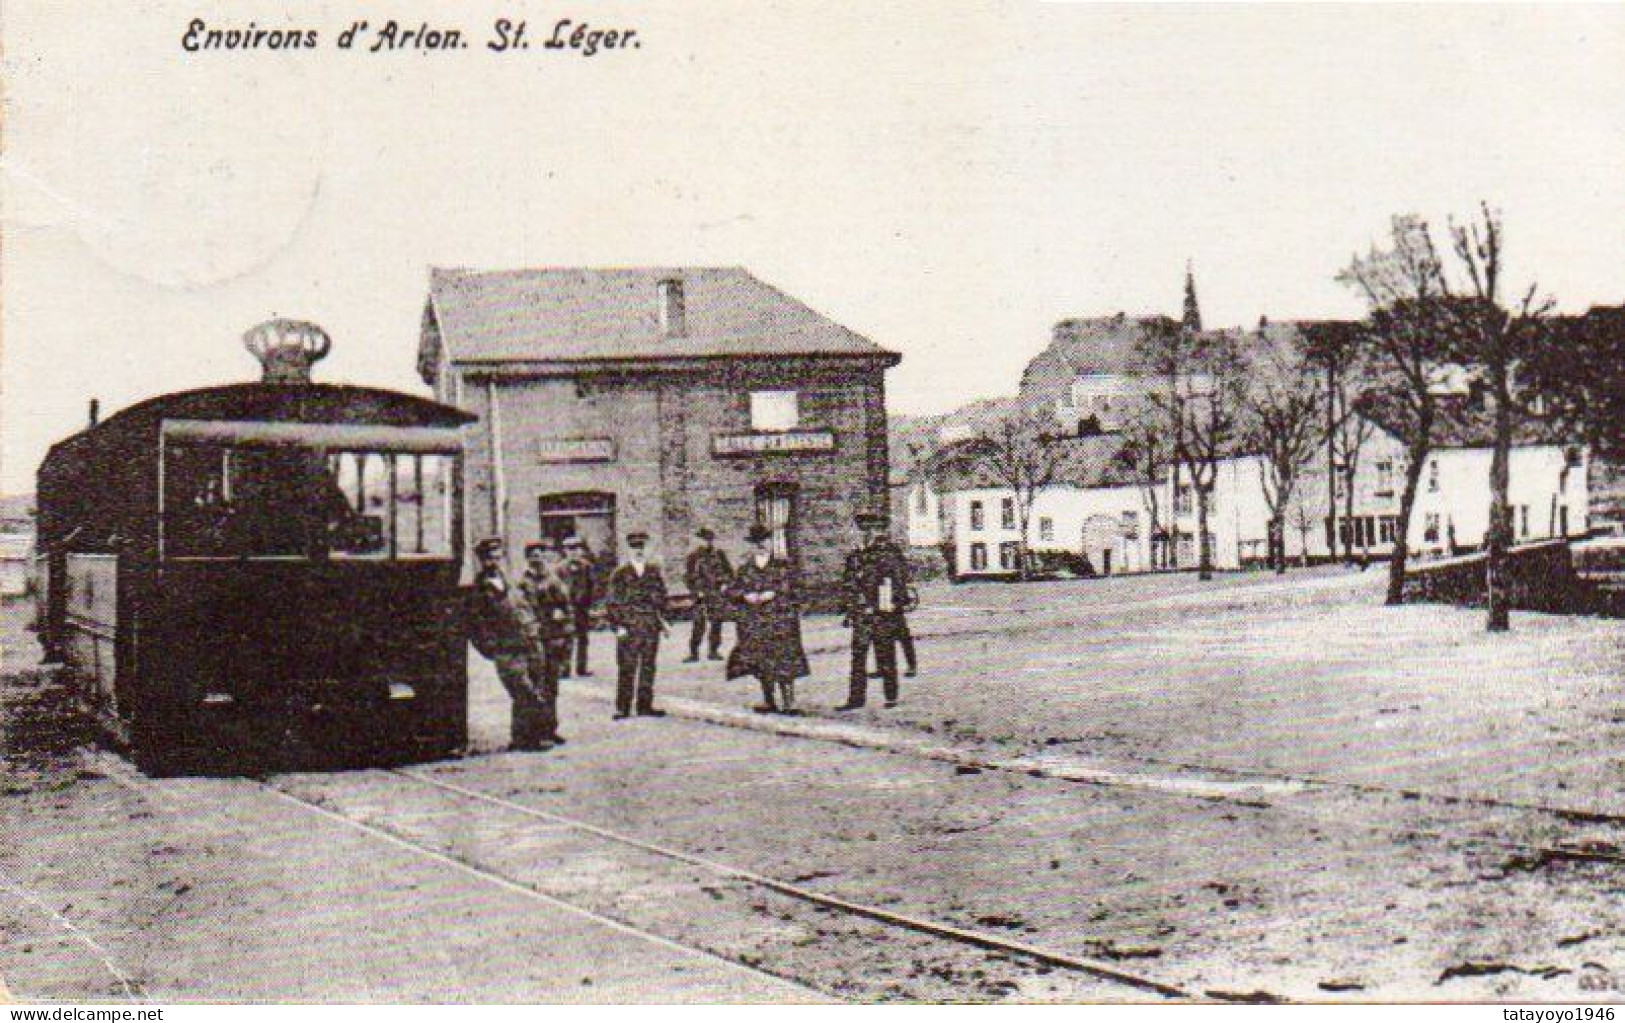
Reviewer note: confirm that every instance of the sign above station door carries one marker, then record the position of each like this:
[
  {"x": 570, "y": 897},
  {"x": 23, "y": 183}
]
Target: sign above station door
[
  {"x": 792, "y": 442},
  {"x": 576, "y": 449}
]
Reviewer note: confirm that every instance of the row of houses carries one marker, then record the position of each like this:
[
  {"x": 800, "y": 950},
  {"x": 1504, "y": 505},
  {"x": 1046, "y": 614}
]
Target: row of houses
[{"x": 1100, "y": 517}]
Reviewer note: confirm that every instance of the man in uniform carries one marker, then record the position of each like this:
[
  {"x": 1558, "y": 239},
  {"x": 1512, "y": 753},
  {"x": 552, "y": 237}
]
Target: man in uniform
[
  {"x": 549, "y": 597},
  {"x": 707, "y": 575},
  {"x": 579, "y": 574},
  {"x": 503, "y": 628},
  {"x": 876, "y": 586},
  {"x": 636, "y": 608}
]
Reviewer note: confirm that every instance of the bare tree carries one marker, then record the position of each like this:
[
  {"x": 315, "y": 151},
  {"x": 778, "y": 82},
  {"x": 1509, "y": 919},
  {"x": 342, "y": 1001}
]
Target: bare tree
[
  {"x": 1493, "y": 340},
  {"x": 1023, "y": 450},
  {"x": 1283, "y": 425},
  {"x": 1201, "y": 399},
  {"x": 1336, "y": 348},
  {"x": 1147, "y": 456},
  {"x": 1404, "y": 288}
]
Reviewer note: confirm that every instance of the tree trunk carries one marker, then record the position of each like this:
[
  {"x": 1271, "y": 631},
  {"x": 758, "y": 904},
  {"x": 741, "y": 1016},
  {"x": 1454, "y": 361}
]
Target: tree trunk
[
  {"x": 1348, "y": 515},
  {"x": 1415, "y": 456},
  {"x": 1500, "y": 535},
  {"x": 1204, "y": 564},
  {"x": 1278, "y": 542},
  {"x": 1331, "y": 460}
]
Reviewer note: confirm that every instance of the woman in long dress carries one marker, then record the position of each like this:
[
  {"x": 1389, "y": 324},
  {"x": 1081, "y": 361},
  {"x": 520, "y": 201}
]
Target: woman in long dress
[{"x": 768, "y": 626}]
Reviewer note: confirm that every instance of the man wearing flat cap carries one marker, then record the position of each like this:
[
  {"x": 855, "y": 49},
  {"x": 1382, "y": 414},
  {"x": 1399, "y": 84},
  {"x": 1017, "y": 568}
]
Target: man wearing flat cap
[
  {"x": 549, "y": 596},
  {"x": 876, "y": 587},
  {"x": 636, "y": 608},
  {"x": 503, "y": 628},
  {"x": 707, "y": 575}
]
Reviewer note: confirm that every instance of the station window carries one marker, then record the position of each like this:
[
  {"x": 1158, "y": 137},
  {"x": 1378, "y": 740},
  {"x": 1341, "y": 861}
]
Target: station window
[
  {"x": 976, "y": 515},
  {"x": 1046, "y": 528},
  {"x": 1007, "y": 513},
  {"x": 978, "y": 556},
  {"x": 774, "y": 411}
]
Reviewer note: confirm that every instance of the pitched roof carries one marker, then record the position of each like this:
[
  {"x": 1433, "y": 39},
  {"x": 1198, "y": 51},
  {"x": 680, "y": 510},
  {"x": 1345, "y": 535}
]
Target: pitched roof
[{"x": 588, "y": 315}]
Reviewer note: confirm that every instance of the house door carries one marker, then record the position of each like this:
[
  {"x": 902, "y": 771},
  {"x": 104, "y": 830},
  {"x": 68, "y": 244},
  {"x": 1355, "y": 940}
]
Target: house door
[
  {"x": 776, "y": 509},
  {"x": 589, "y": 515}
]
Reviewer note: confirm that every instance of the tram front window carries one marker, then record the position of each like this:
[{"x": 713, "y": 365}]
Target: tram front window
[{"x": 243, "y": 501}]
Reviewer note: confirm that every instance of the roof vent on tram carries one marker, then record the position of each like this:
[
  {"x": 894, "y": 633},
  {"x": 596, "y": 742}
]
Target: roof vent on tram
[{"x": 287, "y": 349}]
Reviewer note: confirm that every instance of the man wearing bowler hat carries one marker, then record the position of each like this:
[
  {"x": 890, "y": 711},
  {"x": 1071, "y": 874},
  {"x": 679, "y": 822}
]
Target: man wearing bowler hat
[
  {"x": 876, "y": 587},
  {"x": 636, "y": 608},
  {"x": 708, "y": 574},
  {"x": 502, "y": 626}
]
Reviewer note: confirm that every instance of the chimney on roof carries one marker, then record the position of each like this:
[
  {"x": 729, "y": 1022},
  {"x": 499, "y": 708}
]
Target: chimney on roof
[
  {"x": 672, "y": 313},
  {"x": 95, "y": 412},
  {"x": 287, "y": 349}
]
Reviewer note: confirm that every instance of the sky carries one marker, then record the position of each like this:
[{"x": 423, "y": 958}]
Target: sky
[{"x": 947, "y": 178}]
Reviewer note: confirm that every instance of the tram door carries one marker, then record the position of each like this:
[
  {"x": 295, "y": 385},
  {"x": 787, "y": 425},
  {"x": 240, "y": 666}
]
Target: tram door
[{"x": 589, "y": 515}]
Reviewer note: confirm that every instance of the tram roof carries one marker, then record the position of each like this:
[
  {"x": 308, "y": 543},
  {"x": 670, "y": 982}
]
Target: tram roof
[{"x": 278, "y": 403}]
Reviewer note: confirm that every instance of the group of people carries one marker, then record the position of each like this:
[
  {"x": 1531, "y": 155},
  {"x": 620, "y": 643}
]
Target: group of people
[{"x": 531, "y": 630}]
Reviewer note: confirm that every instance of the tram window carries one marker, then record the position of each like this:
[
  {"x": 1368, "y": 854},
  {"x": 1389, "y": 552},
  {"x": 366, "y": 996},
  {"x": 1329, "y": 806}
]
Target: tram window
[
  {"x": 244, "y": 502},
  {"x": 234, "y": 502},
  {"x": 422, "y": 505},
  {"x": 365, "y": 480}
]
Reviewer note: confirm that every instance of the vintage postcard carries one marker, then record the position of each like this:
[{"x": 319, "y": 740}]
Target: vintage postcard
[{"x": 798, "y": 502}]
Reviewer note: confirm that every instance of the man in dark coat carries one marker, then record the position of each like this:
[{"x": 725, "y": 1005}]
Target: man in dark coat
[
  {"x": 549, "y": 597},
  {"x": 580, "y": 572},
  {"x": 768, "y": 626},
  {"x": 707, "y": 575},
  {"x": 876, "y": 586},
  {"x": 503, "y": 628},
  {"x": 636, "y": 607}
]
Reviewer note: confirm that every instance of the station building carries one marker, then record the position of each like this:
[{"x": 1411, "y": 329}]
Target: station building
[{"x": 662, "y": 399}]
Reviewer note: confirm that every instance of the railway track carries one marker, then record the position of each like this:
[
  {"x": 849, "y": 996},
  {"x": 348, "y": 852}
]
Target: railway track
[
  {"x": 287, "y": 790},
  {"x": 1048, "y": 958}
]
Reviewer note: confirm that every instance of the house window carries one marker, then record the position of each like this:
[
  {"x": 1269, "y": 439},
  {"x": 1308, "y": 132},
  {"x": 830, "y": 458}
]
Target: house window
[
  {"x": 1007, "y": 513},
  {"x": 774, "y": 411},
  {"x": 1433, "y": 475},
  {"x": 1430, "y": 527},
  {"x": 1131, "y": 525},
  {"x": 1385, "y": 478},
  {"x": 1385, "y": 528},
  {"x": 976, "y": 522},
  {"x": 1182, "y": 499},
  {"x": 978, "y": 557},
  {"x": 1046, "y": 528},
  {"x": 921, "y": 503},
  {"x": 1009, "y": 553}
]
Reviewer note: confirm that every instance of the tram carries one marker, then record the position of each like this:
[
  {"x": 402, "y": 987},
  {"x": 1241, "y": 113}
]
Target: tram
[{"x": 261, "y": 568}]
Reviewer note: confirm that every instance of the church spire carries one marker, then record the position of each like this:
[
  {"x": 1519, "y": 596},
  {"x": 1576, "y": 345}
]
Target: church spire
[{"x": 1193, "y": 314}]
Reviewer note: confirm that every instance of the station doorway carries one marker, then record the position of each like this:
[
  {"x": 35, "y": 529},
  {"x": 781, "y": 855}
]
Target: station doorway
[{"x": 588, "y": 514}]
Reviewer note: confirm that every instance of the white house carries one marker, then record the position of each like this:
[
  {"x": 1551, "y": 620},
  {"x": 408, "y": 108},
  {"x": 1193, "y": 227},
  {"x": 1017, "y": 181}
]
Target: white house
[{"x": 1105, "y": 520}]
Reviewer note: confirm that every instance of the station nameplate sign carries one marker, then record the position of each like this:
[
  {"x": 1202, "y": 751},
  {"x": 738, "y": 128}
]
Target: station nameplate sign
[
  {"x": 792, "y": 442},
  {"x": 576, "y": 449}
]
